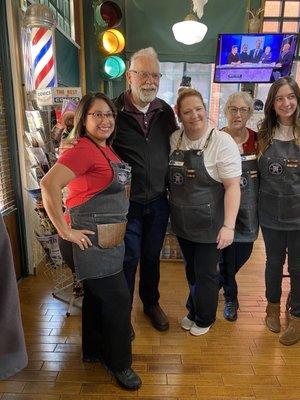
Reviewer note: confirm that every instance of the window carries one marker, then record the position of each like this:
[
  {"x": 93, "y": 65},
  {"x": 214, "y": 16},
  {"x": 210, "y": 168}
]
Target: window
[
  {"x": 282, "y": 16},
  {"x": 172, "y": 76},
  {"x": 214, "y": 94},
  {"x": 63, "y": 13}
]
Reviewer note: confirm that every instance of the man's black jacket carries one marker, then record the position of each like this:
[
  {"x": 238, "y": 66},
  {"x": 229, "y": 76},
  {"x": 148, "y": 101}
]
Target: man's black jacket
[{"x": 148, "y": 156}]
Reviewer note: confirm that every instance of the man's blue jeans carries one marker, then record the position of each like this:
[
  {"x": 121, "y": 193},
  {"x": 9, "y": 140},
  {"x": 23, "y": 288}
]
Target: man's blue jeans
[{"x": 145, "y": 232}]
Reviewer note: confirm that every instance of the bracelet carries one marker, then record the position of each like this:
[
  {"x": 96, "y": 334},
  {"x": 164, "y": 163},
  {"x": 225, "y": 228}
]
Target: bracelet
[{"x": 232, "y": 228}]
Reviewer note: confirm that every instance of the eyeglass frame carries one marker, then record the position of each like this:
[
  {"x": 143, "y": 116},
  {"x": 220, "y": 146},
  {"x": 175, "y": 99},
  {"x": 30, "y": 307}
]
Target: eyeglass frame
[
  {"x": 242, "y": 110},
  {"x": 109, "y": 115},
  {"x": 154, "y": 75}
]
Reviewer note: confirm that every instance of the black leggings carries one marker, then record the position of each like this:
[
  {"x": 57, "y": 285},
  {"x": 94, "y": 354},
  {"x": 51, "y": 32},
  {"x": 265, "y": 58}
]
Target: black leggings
[
  {"x": 201, "y": 266},
  {"x": 233, "y": 257},
  {"x": 277, "y": 243},
  {"x": 106, "y": 310}
]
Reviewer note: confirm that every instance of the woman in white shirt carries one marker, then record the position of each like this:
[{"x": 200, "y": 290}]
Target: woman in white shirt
[
  {"x": 205, "y": 170},
  {"x": 279, "y": 200}
]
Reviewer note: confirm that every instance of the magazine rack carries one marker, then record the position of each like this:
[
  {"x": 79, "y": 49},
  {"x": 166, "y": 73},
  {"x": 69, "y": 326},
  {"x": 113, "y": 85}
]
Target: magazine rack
[{"x": 42, "y": 154}]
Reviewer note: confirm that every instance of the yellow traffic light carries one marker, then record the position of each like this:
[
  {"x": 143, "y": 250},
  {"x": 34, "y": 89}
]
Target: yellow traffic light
[{"x": 112, "y": 41}]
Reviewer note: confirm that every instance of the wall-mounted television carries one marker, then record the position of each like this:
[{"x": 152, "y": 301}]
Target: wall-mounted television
[{"x": 254, "y": 57}]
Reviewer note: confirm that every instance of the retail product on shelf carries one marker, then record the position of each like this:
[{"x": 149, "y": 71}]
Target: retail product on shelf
[{"x": 171, "y": 249}]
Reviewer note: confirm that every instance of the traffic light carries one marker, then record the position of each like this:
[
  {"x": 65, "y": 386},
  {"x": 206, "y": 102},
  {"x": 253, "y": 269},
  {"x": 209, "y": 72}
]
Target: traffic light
[{"x": 111, "y": 41}]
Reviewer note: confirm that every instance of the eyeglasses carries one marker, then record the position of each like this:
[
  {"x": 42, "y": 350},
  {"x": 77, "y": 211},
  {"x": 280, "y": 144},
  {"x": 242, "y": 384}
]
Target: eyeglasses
[
  {"x": 100, "y": 115},
  {"x": 146, "y": 75},
  {"x": 243, "y": 110}
]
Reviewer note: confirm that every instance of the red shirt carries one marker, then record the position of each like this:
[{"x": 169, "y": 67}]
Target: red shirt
[
  {"x": 93, "y": 171},
  {"x": 250, "y": 145}
]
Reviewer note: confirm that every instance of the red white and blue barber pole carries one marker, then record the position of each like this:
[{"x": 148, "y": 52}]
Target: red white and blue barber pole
[
  {"x": 42, "y": 58},
  {"x": 39, "y": 24}
]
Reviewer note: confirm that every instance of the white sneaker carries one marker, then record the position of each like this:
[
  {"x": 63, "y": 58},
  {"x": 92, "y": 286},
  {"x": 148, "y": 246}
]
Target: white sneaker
[
  {"x": 198, "y": 330},
  {"x": 186, "y": 323}
]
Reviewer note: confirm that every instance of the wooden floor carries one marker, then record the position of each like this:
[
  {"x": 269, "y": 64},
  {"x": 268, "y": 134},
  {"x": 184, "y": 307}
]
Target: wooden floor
[{"x": 239, "y": 360}]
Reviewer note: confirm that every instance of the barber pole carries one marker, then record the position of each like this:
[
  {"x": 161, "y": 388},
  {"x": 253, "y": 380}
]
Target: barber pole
[
  {"x": 39, "y": 24},
  {"x": 42, "y": 58}
]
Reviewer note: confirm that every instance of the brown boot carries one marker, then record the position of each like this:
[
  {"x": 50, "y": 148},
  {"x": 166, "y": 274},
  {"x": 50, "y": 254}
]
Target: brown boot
[
  {"x": 273, "y": 317},
  {"x": 292, "y": 333}
]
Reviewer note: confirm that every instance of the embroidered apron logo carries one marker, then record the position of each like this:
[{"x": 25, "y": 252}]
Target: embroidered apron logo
[
  {"x": 275, "y": 168},
  {"x": 177, "y": 178},
  {"x": 122, "y": 177},
  {"x": 243, "y": 182}
]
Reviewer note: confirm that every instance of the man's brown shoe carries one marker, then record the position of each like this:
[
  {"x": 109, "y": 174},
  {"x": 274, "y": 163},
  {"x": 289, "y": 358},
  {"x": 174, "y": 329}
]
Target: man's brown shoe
[{"x": 157, "y": 317}]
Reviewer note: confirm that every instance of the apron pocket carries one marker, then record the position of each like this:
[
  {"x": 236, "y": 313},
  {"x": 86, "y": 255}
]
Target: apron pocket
[
  {"x": 196, "y": 217},
  {"x": 289, "y": 207},
  {"x": 268, "y": 204},
  {"x": 111, "y": 235}
]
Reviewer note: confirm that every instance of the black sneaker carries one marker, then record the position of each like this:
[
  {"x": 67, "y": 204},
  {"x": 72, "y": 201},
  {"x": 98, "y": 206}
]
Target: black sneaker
[
  {"x": 230, "y": 310},
  {"x": 128, "y": 379}
]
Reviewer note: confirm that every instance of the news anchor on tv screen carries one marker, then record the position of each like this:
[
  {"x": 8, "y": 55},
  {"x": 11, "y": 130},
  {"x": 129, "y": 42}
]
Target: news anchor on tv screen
[{"x": 269, "y": 58}]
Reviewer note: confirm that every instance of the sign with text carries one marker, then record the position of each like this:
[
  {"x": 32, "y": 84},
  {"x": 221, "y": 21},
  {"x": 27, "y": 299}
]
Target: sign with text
[{"x": 56, "y": 96}]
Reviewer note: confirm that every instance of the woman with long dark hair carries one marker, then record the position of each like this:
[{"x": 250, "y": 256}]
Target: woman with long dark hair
[
  {"x": 92, "y": 233},
  {"x": 279, "y": 200}
]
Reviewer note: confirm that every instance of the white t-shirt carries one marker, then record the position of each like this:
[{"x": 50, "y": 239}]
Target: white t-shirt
[
  {"x": 284, "y": 133},
  {"x": 222, "y": 158}
]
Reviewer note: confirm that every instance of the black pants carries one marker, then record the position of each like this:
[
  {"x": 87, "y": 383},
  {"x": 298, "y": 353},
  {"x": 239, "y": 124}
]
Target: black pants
[
  {"x": 277, "y": 243},
  {"x": 233, "y": 257},
  {"x": 201, "y": 267},
  {"x": 105, "y": 317},
  {"x": 145, "y": 232}
]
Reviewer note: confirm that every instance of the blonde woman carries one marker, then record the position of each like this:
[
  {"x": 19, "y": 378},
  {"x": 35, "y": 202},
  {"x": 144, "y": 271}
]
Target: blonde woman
[{"x": 238, "y": 109}]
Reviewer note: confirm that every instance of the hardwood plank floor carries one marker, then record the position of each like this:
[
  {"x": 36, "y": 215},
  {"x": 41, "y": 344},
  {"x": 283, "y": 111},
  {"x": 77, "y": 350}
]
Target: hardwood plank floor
[{"x": 241, "y": 360}]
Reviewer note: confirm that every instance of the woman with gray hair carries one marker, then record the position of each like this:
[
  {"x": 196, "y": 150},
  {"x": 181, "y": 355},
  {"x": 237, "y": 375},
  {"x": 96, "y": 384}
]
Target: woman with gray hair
[{"x": 238, "y": 109}]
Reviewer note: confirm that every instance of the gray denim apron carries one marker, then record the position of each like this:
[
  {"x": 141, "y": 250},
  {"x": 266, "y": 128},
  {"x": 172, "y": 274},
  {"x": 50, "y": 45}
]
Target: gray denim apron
[
  {"x": 105, "y": 214},
  {"x": 246, "y": 228},
  {"x": 196, "y": 199},
  {"x": 279, "y": 192}
]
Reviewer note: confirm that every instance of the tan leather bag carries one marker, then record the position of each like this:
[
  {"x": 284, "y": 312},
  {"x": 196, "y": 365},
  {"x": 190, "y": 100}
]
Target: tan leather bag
[{"x": 110, "y": 235}]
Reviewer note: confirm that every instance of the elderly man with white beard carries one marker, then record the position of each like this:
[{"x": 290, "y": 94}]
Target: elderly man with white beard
[{"x": 143, "y": 127}]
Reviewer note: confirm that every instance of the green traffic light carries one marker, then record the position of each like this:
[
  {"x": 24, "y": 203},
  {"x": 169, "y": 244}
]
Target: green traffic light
[{"x": 114, "y": 67}]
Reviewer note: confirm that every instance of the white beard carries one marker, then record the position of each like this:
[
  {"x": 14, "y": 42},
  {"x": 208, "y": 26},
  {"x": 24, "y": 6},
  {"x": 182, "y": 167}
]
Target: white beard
[{"x": 147, "y": 97}]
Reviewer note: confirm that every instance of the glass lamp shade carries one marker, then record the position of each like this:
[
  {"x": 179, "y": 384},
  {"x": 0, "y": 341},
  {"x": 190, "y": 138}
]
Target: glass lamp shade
[
  {"x": 113, "y": 67},
  {"x": 112, "y": 41},
  {"x": 189, "y": 32}
]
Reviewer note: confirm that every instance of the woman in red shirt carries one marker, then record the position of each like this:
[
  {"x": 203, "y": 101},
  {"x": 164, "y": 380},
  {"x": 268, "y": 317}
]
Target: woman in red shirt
[
  {"x": 238, "y": 109},
  {"x": 92, "y": 233}
]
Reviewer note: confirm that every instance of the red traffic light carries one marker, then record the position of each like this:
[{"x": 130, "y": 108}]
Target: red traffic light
[{"x": 108, "y": 14}]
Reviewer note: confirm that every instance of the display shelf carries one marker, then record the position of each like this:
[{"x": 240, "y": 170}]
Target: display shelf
[{"x": 170, "y": 250}]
